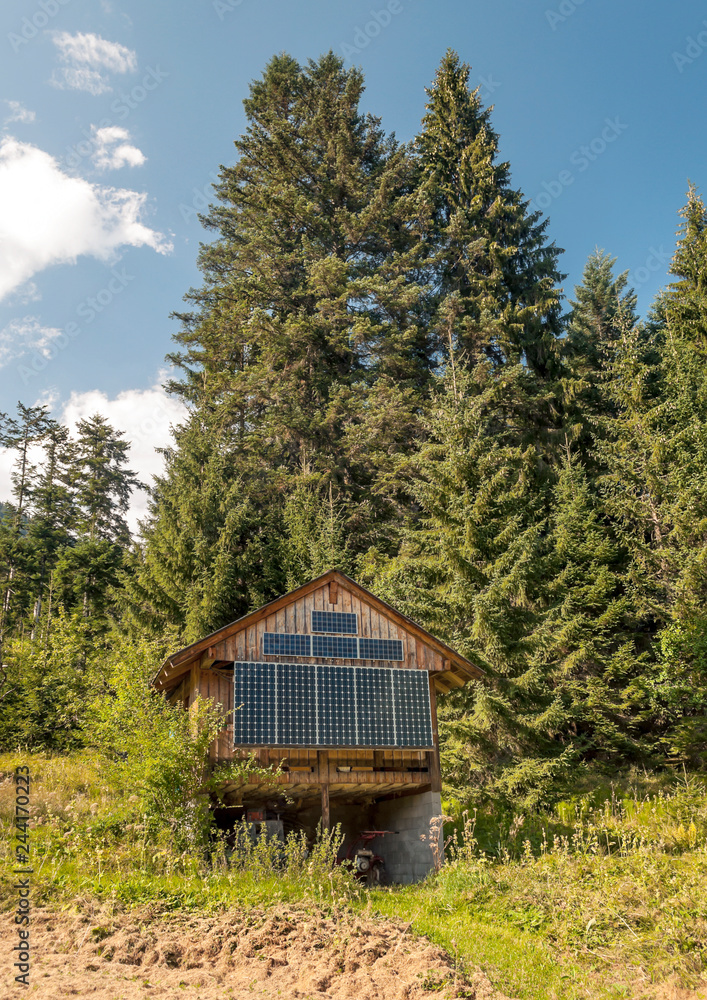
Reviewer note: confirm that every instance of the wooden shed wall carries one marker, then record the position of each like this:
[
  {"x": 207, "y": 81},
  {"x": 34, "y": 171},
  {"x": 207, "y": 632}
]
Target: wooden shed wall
[
  {"x": 296, "y": 618},
  {"x": 247, "y": 645}
]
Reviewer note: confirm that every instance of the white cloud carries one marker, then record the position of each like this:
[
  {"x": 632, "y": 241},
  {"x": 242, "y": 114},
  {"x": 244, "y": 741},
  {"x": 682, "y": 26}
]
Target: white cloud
[
  {"x": 81, "y": 78},
  {"x": 95, "y": 51},
  {"x": 87, "y": 59},
  {"x": 19, "y": 113},
  {"x": 24, "y": 295},
  {"x": 47, "y": 217},
  {"x": 24, "y": 335},
  {"x": 113, "y": 150},
  {"x": 143, "y": 415}
]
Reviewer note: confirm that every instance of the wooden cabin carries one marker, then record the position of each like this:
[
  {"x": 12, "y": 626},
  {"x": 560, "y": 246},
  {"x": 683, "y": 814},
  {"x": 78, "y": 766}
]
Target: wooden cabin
[{"x": 340, "y": 690}]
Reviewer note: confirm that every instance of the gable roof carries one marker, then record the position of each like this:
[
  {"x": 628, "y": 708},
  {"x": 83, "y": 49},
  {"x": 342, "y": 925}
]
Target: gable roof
[{"x": 462, "y": 669}]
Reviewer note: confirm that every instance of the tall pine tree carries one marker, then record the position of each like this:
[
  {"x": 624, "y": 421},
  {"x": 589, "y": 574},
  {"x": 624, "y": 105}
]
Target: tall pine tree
[
  {"x": 494, "y": 275},
  {"x": 307, "y": 358}
]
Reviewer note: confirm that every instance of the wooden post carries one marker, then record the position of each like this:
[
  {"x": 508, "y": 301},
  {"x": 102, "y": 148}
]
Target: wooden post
[
  {"x": 435, "y": 769},
  {"x": 326, "y": 814},
  {"x": 323, "y": 775}
]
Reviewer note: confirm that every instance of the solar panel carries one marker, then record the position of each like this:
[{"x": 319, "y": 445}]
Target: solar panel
[
  {"x": 286, "y": 644},
  {"x": 380, "y": 649},
  {"x": 342, "y": 622},
  {"x": 308, "y": 704},
  {"x": 340, "y": 647}
]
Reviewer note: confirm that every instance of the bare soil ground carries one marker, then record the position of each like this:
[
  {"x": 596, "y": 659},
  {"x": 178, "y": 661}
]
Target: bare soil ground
[{"x": 289, "y": 953}]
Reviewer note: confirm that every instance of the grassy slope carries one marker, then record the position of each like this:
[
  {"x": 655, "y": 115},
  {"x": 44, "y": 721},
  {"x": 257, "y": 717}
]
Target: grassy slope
[{"x": 599, "y": 900}]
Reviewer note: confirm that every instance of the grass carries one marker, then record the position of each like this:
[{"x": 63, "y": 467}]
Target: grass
[
  {"x": 599, "y": 898},
  {"x": 90, "y": 836},
  {"x": 605, "y": 896}
]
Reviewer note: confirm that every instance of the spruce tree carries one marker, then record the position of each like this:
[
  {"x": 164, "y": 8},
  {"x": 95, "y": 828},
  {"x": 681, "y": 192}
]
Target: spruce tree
[
  {"x": 306, "y": 359},
  {"x": 88, "y": 572},
  {"x": 474, "y": 570},
  {"x": 53, "y": 521},
  {"x": 656, "y": 451},
  {"x": 22, "y": 434},
  {"x": 213, "y": 540},
  {"x": 603, "y": 310},
  {"x": 656, "y": 480},
  {"x": 587, "y": 647},
  {"x": 494, "y": 276}
]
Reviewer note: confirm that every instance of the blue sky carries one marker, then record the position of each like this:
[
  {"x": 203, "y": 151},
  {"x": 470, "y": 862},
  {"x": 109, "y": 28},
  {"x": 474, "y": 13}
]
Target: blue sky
[{"x": 115, "y": 116}]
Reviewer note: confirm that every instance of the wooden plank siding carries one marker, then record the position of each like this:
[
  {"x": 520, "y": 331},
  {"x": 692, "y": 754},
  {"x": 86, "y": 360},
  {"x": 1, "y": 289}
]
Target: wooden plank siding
[
  {"x": 399, "y": 766},
  {"x": 296, "y": 619},
  {"x": 205, "y": 669}
]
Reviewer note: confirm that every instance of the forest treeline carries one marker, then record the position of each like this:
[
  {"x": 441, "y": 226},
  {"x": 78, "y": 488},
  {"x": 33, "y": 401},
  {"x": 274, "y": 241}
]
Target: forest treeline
[{"x": 382, "y": 375}]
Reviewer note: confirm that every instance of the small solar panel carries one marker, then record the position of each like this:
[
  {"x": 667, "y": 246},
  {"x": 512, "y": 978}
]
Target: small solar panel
[
  {"x": 342, "y": 622},
  {"x": 380, "y": 649},
  {"x": 340, "y": 647},
  {"x": 308, "y": 704},
  {"x": 286, "y": 644}
]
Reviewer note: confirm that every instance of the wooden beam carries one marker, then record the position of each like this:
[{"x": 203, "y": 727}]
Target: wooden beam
[
  {"x": 333, "y": 592},
  {"x": 434, "y": 765},
  {"x": 322, "y": 773},
  {"x": 326, "y": 812},
  {"x": 417, "y": 790}
]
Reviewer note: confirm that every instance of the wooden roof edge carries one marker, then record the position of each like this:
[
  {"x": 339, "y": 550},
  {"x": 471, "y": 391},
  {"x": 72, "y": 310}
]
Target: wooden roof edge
[{"x": 192, "y": 652}]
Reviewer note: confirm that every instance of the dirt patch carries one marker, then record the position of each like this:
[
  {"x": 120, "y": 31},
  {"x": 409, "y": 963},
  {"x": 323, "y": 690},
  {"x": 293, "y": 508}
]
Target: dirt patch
[{"x": 108, "y": 955}]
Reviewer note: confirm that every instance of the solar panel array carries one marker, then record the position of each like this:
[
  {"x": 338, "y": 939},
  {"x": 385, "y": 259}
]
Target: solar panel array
[
  {"x": 343, "y": 622},
  {"x": 309, "y": 704},
  {"x": 341, "y": 647}
]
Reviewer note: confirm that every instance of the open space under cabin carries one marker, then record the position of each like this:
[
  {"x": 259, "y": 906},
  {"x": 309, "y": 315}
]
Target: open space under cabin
[{"x": 339, "y": 689}]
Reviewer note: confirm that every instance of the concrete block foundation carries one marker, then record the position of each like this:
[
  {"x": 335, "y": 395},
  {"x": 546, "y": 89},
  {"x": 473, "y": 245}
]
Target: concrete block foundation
[{"x": 408, "y": 857}]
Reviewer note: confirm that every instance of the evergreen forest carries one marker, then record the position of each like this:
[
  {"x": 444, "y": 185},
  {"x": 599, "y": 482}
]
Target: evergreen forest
[{"x": 384, "y": 374}]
